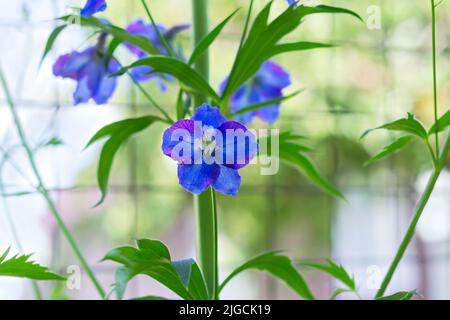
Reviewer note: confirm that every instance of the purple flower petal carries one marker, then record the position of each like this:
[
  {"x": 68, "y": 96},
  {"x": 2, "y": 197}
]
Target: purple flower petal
[
  {"x": 178, "y": 141},
  {"x": 228, "y": 181},
  {"x": 92, "y": 7},
  {"x": 209, "y": 116},
  {"x": 239, "y": 145},
  {"x": 82, "y": 93},
  {"x": 293, "y": 2},
  {"x": 71, "y": 65},
  {"x": 196, "y": 178}
]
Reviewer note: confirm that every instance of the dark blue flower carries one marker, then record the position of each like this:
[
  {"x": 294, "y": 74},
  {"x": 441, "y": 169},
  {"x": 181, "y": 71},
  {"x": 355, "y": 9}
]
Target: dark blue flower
[
  {"x": 266, "y": 85},
  {"x": 138, "y": 27},
  {"x": 92, "y": 7},
  {"x": 89, "y": 69},
  {"x": 209, "y": 150}
]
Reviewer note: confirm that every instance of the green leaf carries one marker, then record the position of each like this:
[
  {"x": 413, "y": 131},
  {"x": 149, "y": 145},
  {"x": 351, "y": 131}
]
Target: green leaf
[
  {"x": 117, "y": 32},
  {"x": 296, "y": 46},
  {"x": 338, "y": 292},
  {"x": 408, "y": 125},
  {"x": 303, "y": 163},
  {"x": 206, "y": 42},
  {"x": 152, "y": 258},
  {"x": 263, "y": 38},
  {"x": 278, "y": 266},
  {"x": 20, "y": 266},
  {"x": 51, "y": 41},
  {"x": 441, "y": 125},
  {"x": 180, "y": 70},
  {"x": 192, "y": 278},
  {"x": 403, "y": 295},
  {"x": 397, "y": 145},
  {"x": 265, "y": 103},
  {"x": 118, "y": 133},
  {"x": 336, "y": 271}
]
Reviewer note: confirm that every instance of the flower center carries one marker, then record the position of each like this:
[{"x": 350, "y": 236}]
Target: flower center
[{"x": 207, "y": 142}]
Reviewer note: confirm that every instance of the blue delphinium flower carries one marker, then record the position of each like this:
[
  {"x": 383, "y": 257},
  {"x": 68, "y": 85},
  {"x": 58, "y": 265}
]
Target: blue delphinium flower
[
  {"x": 293, "y": 2},
  {"x": 89, "y": 69},
  {"x": 138, "y": 27},
  {"x": 93, "y": 6},
  {"x": 266, "y": 85},
  {"x": 209, "y": 150}
]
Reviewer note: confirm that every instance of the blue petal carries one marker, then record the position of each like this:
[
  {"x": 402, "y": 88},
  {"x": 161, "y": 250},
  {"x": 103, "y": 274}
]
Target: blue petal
[
  {"x": 293, "y": 2},
  {"x": 72, "y": 65},
  {"x": 182, "y": 131},
  {"x": 209, "y": 116},
  {"x": 82, "y": 93},
  {"x": 228, "y": 181},
  {"x": 105, "y": 90},
  {"x": 239, "y": 146},
  {"x": 92, "y": 7},
  {"x": 272, "y": 74},
  {"x": 269, "y": 114},
  {"x": 196, "y": 178}
]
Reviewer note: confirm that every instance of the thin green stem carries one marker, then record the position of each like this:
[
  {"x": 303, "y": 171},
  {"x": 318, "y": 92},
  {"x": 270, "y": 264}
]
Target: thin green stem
[
  {"x": 417, "y": 214},
  {"x": 43, "y": 191},
  {"x": 433, "y": 20},
  {"x": 158, "y": 32},
  {"x": 205, "y": 203}
]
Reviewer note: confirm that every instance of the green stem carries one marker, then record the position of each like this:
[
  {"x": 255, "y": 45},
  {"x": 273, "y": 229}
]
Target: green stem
[
  {"x": 418, "y": 212},
  {"x": 158, "y": 32},
  {"x": 205, "y": 203},
  {"x": 433, "y": 19},
  {"x": 43, "y": 191},
  {"x": 439, "y": 165}
]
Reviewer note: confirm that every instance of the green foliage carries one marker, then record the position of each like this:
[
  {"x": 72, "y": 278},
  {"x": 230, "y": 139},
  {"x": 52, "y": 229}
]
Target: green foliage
[
  {"x": 117, "y": 133},
  {"x": 51, "y": 41},
  {"x": 402, "y": 295},
  {"x": 389, "y": 150},
  {"x": 278, "y": 266},
  {"x": 187, "y": 76},
  {"x": 263, "y": 38},
  {"x": 152, "y": 258},
  {"x": 441, "y": 125},
  {"x": 408, "y": 125},
  {"x": 20, "y": 266},
  {"x": 206, "y": 42},
  {"x": 293, "y": 153},
  {"x": 336, "y": 271}
]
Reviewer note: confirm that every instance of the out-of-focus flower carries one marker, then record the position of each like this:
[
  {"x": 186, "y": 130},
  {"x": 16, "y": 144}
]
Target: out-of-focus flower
[
  {"x": 92, "y": 7},
  {"x": 266, "y": 85},
  {"x": 89, "y": 69},
  {"x": 209, "y": 150},
  {"x": 138, "y": 27},
  {"x": 293, "y": 2}
]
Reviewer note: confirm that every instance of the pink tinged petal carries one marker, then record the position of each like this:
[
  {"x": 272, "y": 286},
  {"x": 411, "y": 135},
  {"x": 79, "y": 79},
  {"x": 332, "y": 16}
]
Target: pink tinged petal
[
  {"x": 228, "y": 182},
  {"x": 209, "y": 116},
  {"x": 178, "y": 141},
  {"x": 196, "y": 178}
]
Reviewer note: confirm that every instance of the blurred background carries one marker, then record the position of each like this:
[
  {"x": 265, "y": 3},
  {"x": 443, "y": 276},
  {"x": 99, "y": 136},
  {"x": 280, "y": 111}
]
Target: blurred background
[{"x": 379, "y": 72}]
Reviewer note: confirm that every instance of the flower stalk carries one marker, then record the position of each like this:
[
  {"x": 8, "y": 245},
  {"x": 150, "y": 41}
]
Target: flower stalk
[
  {"x": 43, "y": 190},
  {"x": 439, "y": 166},
  {"x": 205, "y": 203}
]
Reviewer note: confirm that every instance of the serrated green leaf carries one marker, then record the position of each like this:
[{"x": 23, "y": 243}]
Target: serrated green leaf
[
  {"x": 206, "y": 42},
  {"x": 152, "y": 258},
  {"x": 51, "y": 41},
  {"x": 441, "y": 125},
  {"x": 278, "y": 266},
  {"x": 118, "y": 133},
  {"x": 395, "y": 146},
  {"x": 20, "y": 266},
  {"x": 336, "y": 271},
  {"x": 265, "y": 103},
  {"x": 180, "y": 70},
  {"x": 408, "y": 125},
  {"x": 402, "y": 295}
]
